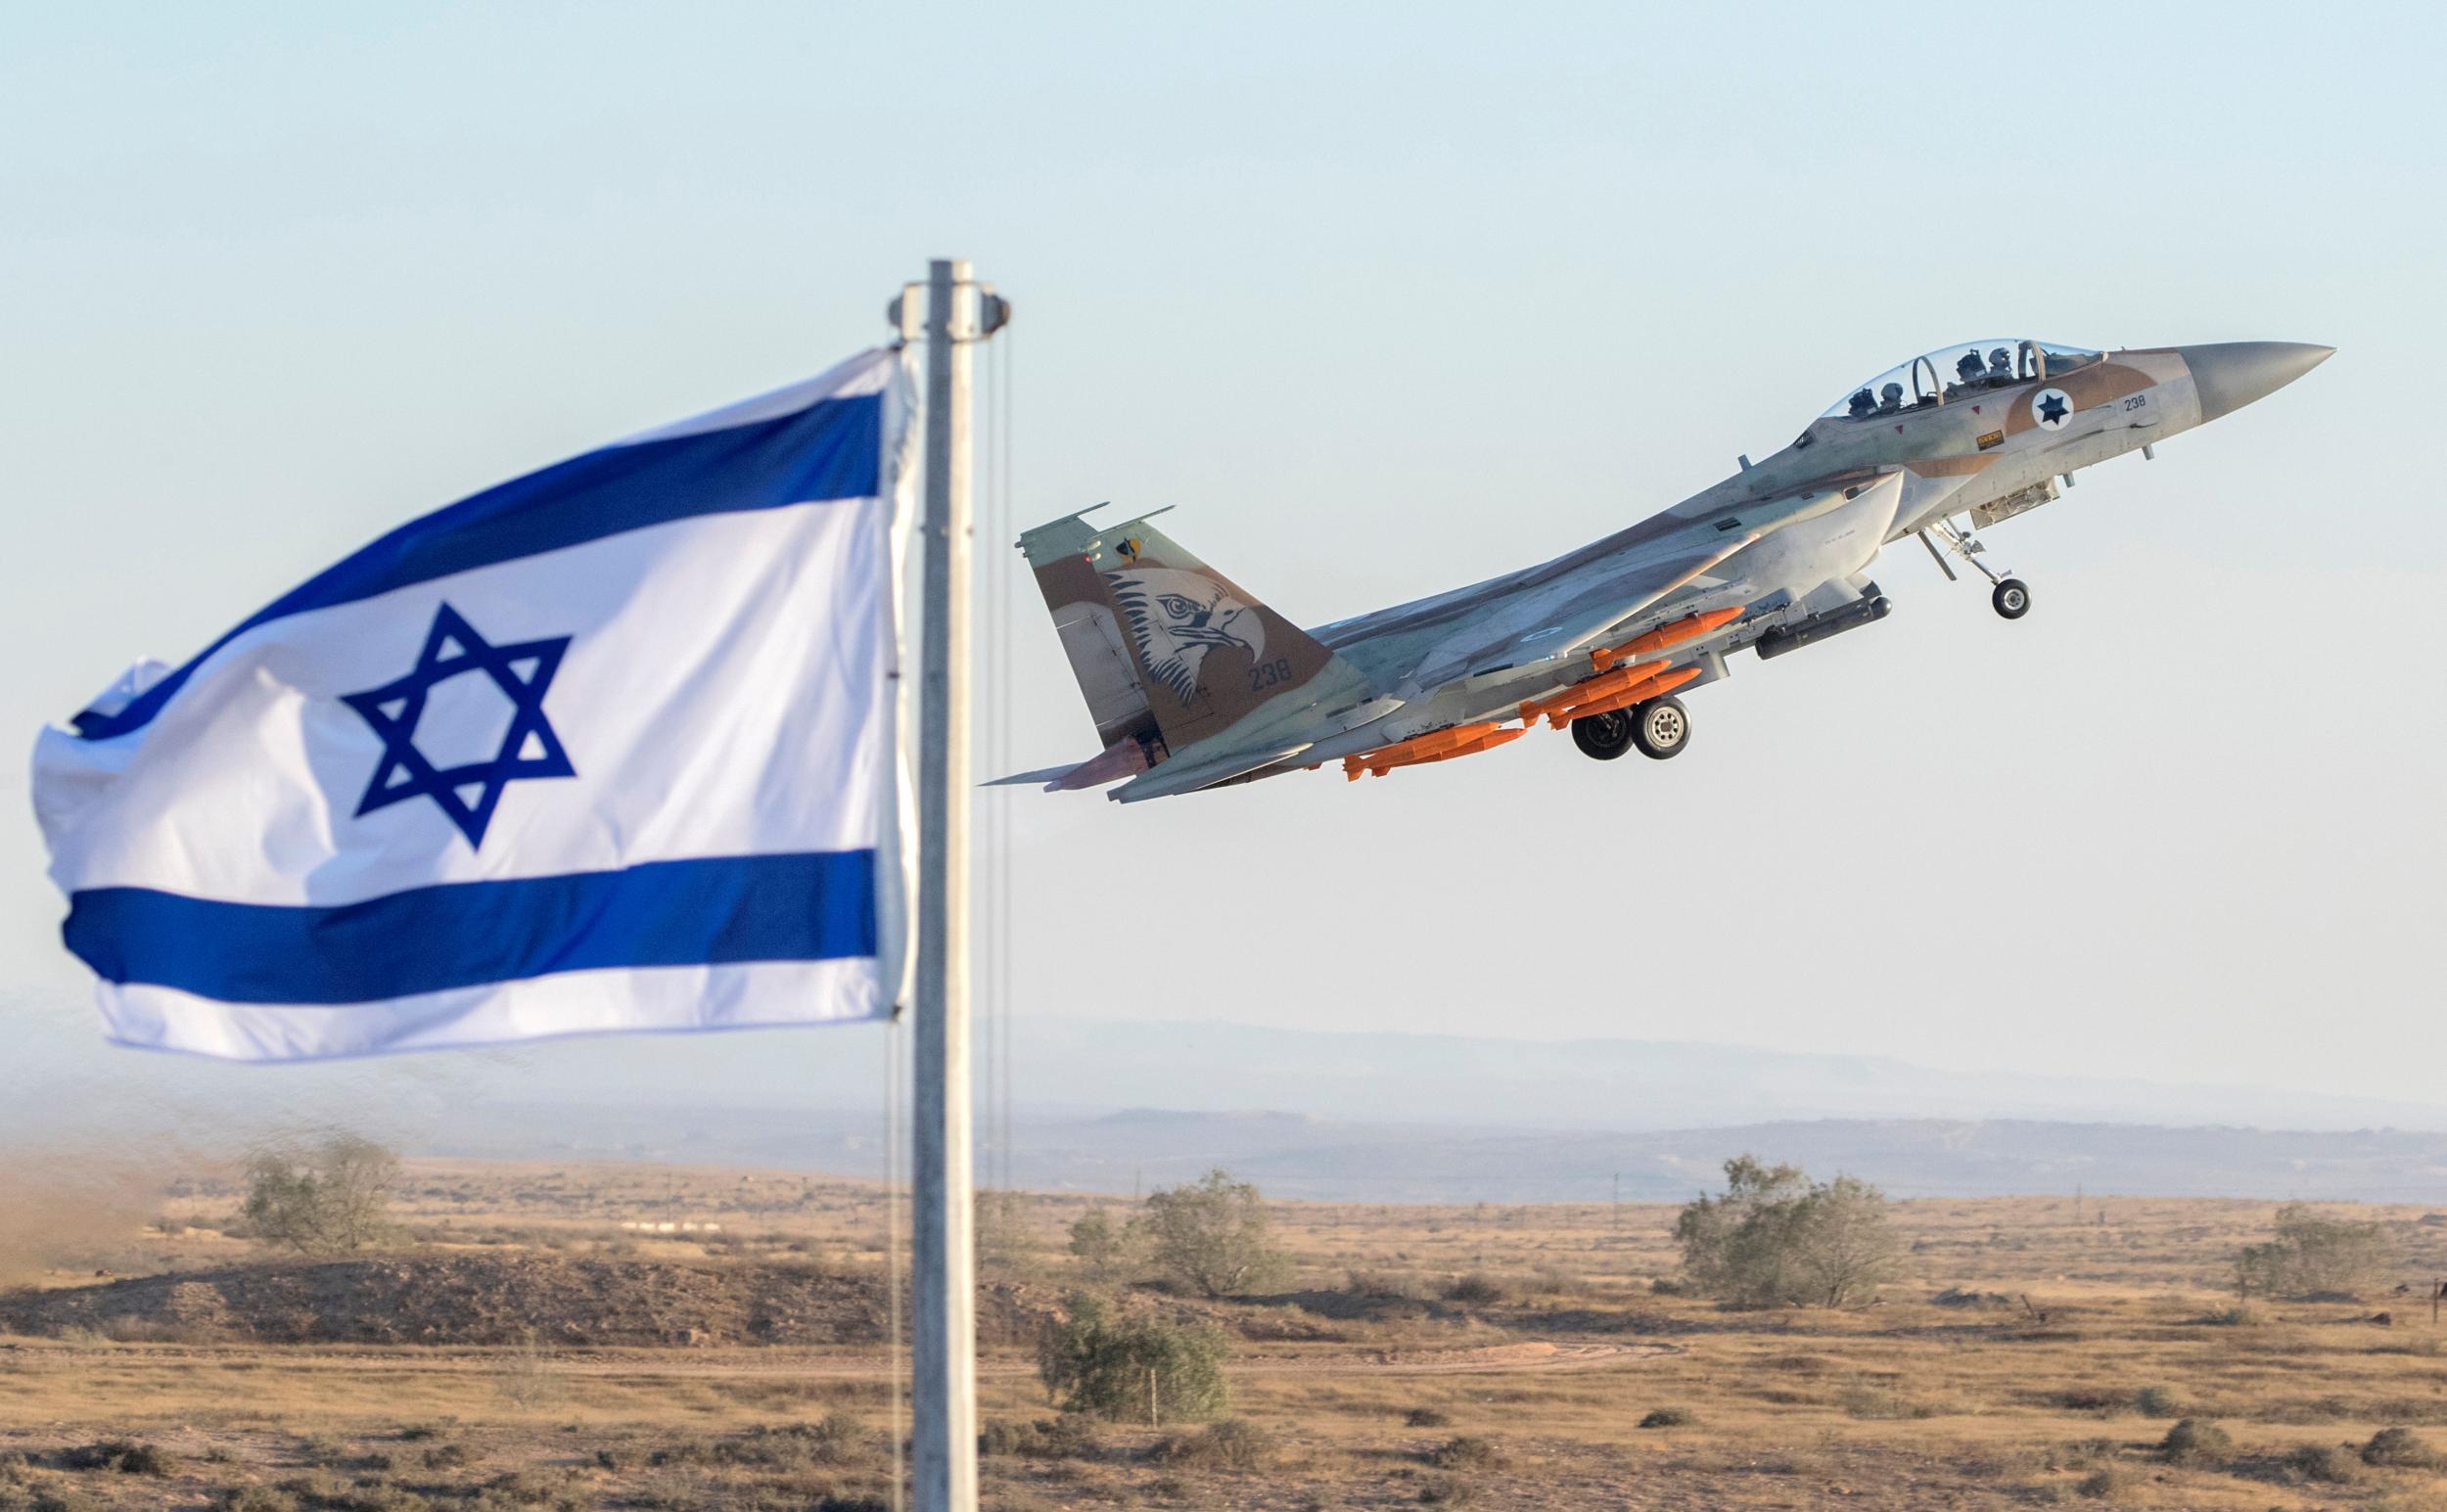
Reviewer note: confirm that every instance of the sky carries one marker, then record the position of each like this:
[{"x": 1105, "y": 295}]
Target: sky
[{"x": 1382, "y": 306}]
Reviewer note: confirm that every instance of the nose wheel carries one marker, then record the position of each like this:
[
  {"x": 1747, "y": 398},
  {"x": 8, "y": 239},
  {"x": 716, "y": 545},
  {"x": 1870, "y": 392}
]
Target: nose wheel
[{"x": 2010, "y": 597}]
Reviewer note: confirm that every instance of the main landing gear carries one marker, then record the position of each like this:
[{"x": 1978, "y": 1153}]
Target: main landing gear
[
  {"x": 2010, "y": 597},
  {"x": 1658, "y": 729}
]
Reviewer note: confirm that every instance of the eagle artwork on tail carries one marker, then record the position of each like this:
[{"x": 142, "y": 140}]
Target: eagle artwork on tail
[{"x": 1176, "y": 618}]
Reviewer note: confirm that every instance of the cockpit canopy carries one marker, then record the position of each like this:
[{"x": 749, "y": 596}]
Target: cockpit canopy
[{"x": 1949, "y": 373}]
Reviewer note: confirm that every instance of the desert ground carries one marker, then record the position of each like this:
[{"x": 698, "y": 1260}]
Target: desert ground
[{"x": 623, "y": 1335}]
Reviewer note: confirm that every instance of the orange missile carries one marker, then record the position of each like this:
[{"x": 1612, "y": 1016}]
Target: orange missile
[
  {"x": 1659, "y": 688},
  {"x": 1486, "y": 741},
  {"x": 1665, "y": 635},
  {"x": 1589, "y": 690},
  {"x": 1437, "y": 746},
  {"x": 1417, "y": 747}
]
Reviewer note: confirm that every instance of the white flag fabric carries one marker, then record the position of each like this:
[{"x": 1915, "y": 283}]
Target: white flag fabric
[{"x": 609, "y": 747}]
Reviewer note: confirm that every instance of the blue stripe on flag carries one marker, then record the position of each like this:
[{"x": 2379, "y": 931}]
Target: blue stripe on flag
[
  {"x": 809, "y": 906},
  {"x": 833, "y": 449}
]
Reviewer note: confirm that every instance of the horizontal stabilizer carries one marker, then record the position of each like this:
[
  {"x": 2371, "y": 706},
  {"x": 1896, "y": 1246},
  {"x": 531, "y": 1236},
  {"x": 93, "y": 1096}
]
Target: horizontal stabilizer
[
  {"x": 1040, "y": 776},
  {"x": 1189, "y": 776}
]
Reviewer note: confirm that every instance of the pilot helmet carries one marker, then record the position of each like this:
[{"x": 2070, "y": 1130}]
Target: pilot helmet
[
  {"x": 2000, "y": 360},
  {"x": 1892, "y": 393}
]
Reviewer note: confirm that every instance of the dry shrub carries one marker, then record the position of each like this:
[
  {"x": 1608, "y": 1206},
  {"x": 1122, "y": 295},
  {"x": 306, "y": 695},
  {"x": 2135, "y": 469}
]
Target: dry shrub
[
  {"x": 2239, "y": 1316},
  {"x": 2093, "y": 1399},
  {"x": 1234, "y": 1443},
  {"x": 1468, "y": 1452},
  {"x": 2400, "y": 1448},
  {"x": 840, "y": 1439},
  {"x": 2104, "y": 1483},
  {"x": 2158, "y": 1401},
  {"x": 1427, "y": 1417},
  {"x": 2196, "y": 1440},
  {"x": 2086, "y": 1454},
  {"x": 125, "y": 1455},
  {"x": 525, "y": 1488},
  {"x": 1668, "y": 1417},
  {"x": 252, "y": 1498},
  {"x": 1449, "y": 1491},
  {"x": 524, "y": 1376},
  {"x": 1072, "y": 1435},
  {"x": 1475, "y": 1290},
  {"x": 2325, "y": 1463},
  {"x": 1384, "y": 1286},
  {"x": 1872, "y": 1402}
]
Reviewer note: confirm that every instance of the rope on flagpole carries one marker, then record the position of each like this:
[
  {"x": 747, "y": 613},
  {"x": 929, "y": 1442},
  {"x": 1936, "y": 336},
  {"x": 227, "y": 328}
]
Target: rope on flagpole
[
  {"x": 987, "y": 937},
  {"x": 1004, "y": 900},
  {"x": 895, "y": 1132}
]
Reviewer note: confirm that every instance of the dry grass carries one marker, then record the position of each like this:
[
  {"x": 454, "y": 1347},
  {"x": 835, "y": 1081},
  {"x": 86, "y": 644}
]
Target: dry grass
[{"x": 1461, "y": 1356}]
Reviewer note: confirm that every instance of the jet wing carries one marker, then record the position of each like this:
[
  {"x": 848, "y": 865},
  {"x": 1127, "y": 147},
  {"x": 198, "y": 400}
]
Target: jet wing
[
  {"x": 1565, "y": 616},
  {"x": 1576, "y": 599}
]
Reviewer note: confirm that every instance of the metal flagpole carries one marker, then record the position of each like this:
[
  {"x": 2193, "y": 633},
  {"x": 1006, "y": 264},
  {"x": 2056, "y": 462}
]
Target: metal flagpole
[{"x": 959, "y": 312}]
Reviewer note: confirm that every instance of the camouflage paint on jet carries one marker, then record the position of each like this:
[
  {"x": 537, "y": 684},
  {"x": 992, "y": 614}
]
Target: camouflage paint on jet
[{"x": 1193, "y": 683}]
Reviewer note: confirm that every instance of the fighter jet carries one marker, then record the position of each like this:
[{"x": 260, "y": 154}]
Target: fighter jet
[{"x": 1194, "y": 683}]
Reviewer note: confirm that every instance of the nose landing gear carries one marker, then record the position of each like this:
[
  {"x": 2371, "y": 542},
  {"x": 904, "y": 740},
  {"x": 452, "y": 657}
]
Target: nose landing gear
[{"x": 2010, "y": 597}]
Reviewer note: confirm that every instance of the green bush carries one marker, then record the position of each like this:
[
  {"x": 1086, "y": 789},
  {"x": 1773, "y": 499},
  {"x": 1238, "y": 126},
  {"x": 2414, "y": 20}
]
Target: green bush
[
  {"x": 2312, "y": 1256},
  {"x": 1138, "y": 1369},
  {"x": 1775, "y": 1238},
  {"x": 1105, "y": 1250},
  {"x": 328, "y": 1196},
  {"x": 1211, "y": 1235}
]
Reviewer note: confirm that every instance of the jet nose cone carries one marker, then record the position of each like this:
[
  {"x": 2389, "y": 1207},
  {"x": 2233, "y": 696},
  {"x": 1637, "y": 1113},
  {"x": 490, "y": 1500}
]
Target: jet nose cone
[{"x": 2230, "y": 375}]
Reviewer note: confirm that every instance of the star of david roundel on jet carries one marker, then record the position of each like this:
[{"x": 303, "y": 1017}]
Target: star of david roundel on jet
[{"x": 2050, "y": 408}]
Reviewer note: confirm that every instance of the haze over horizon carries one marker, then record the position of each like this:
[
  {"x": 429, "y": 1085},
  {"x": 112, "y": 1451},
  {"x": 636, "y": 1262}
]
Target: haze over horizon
[{"x": 1384, "y": 313}]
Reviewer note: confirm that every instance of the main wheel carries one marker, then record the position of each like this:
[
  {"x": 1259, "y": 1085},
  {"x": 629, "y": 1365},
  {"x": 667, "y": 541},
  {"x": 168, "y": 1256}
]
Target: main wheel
[
  {"x": 2011, "y": 598},
  {"x": 1603, "y": 737},
  {"x": 1661, "y": 728}
]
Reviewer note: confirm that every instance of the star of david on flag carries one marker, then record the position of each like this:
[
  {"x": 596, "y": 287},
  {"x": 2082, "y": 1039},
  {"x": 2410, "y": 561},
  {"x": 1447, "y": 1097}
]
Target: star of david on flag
[
  {"x": 466, "y": 792},
  {"x": 609, "y": 747}
]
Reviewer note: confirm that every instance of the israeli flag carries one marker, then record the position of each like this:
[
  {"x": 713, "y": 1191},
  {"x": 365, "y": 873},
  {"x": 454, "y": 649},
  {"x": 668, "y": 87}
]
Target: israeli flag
[{"x": 609, "y": 747}]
